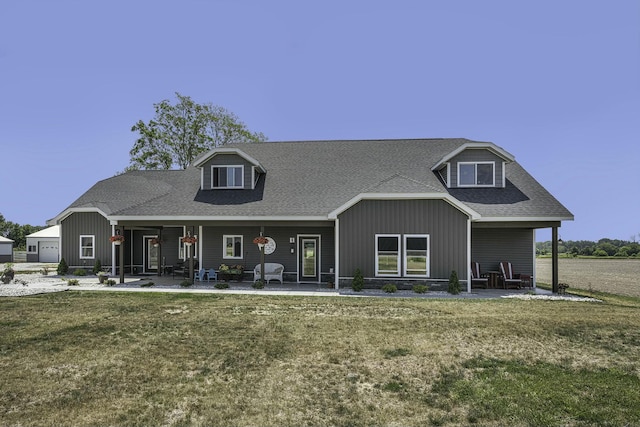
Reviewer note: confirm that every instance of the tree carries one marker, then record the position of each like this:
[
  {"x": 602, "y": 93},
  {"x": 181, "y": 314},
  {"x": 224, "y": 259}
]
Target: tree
[
  {"x": 179, "y": 133},
  {"x": 16, "y": 232}
]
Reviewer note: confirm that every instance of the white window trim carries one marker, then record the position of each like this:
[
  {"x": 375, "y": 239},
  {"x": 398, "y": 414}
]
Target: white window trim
[
  {"x": 404, "y": 255},
  {"x": 235, "y": 187},
  {"x": 398, "y": 237},
  {"x": 475, "y": 174},
  {"x": 93, "y": 246},
  {"x": 224, "y": 246}
]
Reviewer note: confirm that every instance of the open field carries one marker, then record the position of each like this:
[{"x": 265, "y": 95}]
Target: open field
[
  {"x": 615, "y": 276},
  {"x": 94, "y": 358}
]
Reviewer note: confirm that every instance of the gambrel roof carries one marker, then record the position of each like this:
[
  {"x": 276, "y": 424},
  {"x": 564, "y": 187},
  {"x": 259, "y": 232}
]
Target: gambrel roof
[{"x": 311, "y": 179}]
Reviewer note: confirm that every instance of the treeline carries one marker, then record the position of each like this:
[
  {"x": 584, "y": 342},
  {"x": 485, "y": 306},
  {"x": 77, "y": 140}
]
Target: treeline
[
  {"x": 601, "y": 248},
  {"x": 16, "y": 232}
]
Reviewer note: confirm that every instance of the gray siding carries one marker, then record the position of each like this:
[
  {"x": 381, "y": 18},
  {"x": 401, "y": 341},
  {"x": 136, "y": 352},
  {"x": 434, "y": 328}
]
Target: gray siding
[
  {"x": 446, "y": 226},
  {"x": 85, "y": 223},
  {"x": 476, "y": 155},
  {"x": 490, "y": 246},
  {"x": 212, "y": 249},
  {"x": 226, "y": 160}
]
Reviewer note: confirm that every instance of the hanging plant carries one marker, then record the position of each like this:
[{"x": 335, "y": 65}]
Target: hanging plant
[
  {"x": 155, "y": 241},
  {"x": 189, "y": 240},
  {"x": 260, "y": 240},
  {"x": 117, "y": 239}
]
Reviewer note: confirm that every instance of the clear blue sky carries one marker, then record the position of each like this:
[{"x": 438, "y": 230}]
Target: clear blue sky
[{"x": 556, "y": 83}]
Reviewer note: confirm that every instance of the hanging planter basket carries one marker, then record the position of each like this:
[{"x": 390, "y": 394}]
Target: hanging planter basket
[{"x": 117, "y": 239}]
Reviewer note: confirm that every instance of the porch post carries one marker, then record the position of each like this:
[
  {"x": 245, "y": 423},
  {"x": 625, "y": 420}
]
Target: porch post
[
  {"x": 159, "y": 261},
  {"x": 121, "y": 257},
  {"x": 336, "y": 284},
  {"x": 190, "y": 248},
  {"x": 554, "y": 259},
  {"x": 262, "y": 256}
]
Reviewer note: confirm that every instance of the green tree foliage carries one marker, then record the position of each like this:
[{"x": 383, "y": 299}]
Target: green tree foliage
[
  {"x": 603, "y": 247},
  {"x": 16, "y": 232},
  {"x": 63, "y": 267},
  {"x": 357, "y": 284},
  {"x": 179, "y": 133}
]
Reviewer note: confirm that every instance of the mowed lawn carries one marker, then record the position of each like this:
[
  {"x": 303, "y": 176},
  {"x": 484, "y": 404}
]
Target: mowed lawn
[
  {"x": 611, "y": 275},
  {"x": 102, "y": 358}
]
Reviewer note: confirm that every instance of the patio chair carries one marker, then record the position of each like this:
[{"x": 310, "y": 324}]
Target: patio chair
[
  {"x": 478, "y": 280},
  {"x": 508, "y": 277},
  {"x": 182, "y": 269},
  {"x": 212, "y": 275},
  {"x": 200, "y": 275}
]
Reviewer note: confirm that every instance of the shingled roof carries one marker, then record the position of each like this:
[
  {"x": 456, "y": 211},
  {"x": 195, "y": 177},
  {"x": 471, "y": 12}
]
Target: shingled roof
[{"x": 310, "y": 179}]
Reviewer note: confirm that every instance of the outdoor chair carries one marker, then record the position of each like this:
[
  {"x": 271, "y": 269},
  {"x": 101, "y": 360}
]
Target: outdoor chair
[
  {"x": 182, "y": 269},
  {"x": 508, "y": 277},
  {"x": 478, "y": 280},
  {"x": 212, "y": 275},
  {"x": 200, "y": 275}
]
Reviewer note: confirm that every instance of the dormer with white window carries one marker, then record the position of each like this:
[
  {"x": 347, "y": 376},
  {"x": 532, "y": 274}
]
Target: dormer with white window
[
  {"x": 474, "y": 165},
  {"x": 228, "y": 169}
]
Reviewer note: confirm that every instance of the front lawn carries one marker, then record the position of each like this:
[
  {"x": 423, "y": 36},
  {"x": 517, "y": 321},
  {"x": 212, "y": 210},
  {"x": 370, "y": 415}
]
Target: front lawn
[{"x": 94, "y": 358}]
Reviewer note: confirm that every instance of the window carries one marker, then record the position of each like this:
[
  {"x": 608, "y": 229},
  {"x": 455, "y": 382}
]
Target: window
[
  {"x": 416, "y": 255},
  {"x": 387, "y": 255},
  {"x": 232, "y": 247},
  {"x": 32, "y": 249},
  {"x": 227, "y": 176},
  {"x": 87, "y": 247},
  {"x": 480, "y": 174}
]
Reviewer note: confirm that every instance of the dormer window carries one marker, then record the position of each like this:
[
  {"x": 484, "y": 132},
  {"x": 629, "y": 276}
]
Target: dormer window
[
  {"x": 476, "y": 174},
  {"x": 227, "y": 176}
]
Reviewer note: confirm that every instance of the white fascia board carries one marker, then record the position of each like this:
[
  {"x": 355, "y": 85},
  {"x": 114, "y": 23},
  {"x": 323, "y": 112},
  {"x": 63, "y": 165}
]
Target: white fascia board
[
  {"x": 473, "y": 215},
  {"x": 524, "y": 218},
  {"x": 115, "y": 219},
  {"x": 475, "y": 145},
  {"x": 237, "y": 151},
  {"x": 56, "y": 220}
]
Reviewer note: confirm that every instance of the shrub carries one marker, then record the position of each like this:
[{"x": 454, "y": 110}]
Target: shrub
[
  {"x": 221, "y": 285},
  {"x": 8, "y": 274},
  {"x": 146, "y": 285},
  {"x": 258, "y": 284},
  {"x": 44, "y": 271},
  {"x": 357, "y": 284},
  {"x": 600, "y": 252},
  {"x": 420, "y": 289},
  {"x": 390, "y": 288},
  {"x": 186, "y": 283},
  {"x": 80, "y": 272},
  {"x": 454, "y": 283},
  {"x": 73, "y": 282},
  {"x": 97, "y": 267},
  {"x": 111, "y": 282},
  {"x": 63, "y": 267}
]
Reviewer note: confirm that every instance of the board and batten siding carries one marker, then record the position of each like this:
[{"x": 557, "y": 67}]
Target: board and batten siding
[
  {"x": 212, "y": 246},
  {"x": 85, "y": 224},
  {"x": 227, "y": 160},
  {"x": 490, "y": 246},
  {"x": 476, "y": 155},
  {"x": 445, "y": 225}
]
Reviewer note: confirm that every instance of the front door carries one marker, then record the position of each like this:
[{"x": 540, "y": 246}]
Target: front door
[
  {"x": 151, "y": 255},
  {"x": 309, "y": 260}
]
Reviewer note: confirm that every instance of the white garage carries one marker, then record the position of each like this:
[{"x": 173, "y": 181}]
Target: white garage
[
  {"x": 44, "y": 245},
  {"x": 6, "y": 249}
]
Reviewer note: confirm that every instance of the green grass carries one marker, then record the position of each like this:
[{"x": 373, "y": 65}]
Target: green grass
[{"x": 91, "y": 358}]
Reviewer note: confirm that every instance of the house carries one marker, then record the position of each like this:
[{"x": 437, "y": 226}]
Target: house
[
  {"x": 402, "y": 211},
  {"x": 6, "y": 249},
  {"x": 44, "y": 245}
]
